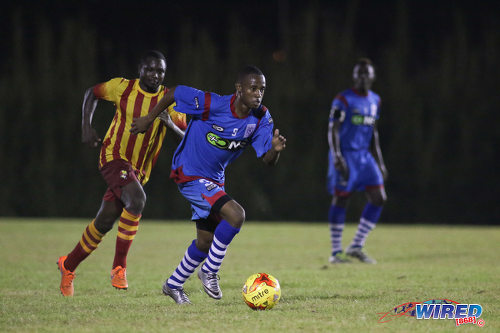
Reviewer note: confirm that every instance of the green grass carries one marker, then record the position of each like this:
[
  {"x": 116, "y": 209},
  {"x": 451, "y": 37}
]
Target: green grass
[{"x": 416, "y": 263}]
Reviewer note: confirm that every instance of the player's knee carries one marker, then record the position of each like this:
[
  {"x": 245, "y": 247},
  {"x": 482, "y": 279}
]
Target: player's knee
[
  {"x": 239, "y": 217},
  {"x": 236, "y": 215},
  {"x": 379, "y": 200},
  {"x": 137, "y": 204}
]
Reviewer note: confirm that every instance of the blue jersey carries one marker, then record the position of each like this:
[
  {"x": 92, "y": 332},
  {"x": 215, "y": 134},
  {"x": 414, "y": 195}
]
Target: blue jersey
[
  {"x": 359, "y": 114},
  {"x": 215, "y": 136}
]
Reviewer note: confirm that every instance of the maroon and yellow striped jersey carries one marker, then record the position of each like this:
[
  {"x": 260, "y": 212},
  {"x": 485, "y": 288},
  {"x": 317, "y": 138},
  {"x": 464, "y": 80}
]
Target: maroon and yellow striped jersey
[{"x": 132, "y": 102}]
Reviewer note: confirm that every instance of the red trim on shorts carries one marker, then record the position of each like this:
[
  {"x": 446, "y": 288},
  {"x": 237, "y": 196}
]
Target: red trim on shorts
[
  {"x": 213, "y": 199},
  {"x": 179, "y": 177},
  {"x": 340, "y": 193}
]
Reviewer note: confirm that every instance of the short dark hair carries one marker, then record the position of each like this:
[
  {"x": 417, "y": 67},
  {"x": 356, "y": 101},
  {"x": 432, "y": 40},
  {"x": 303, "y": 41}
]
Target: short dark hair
[
  {"x": 248, "y": 70},
  {"x": 152, "y": 54}
]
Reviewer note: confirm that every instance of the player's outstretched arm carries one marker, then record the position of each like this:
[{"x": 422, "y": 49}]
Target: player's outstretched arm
[
  {"x": 89, "y": 135},
  {"x": 278, "y": 144},
  {"x": 141, "y": 125}
]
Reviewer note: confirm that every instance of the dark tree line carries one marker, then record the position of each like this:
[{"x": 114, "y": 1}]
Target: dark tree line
[{"x": 438, "y": 125}]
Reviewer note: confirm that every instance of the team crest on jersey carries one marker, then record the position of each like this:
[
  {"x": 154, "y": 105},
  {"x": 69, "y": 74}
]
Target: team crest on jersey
[
  {"x": 123, "y": 174},
  {"x": 218, "y": 128},
  {"x": 197, "y": 102},
  {"x": 249, "y": 130}
]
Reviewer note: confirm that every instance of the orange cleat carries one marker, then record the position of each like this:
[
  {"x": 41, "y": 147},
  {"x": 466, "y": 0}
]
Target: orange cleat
[
  {"x": 67, "y": 277},
  {"x": 119, "y": 277}
]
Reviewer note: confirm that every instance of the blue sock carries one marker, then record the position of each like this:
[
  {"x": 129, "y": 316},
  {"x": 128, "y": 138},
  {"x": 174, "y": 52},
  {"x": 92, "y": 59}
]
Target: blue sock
[
  {"x": 371, "y": 213},
  {"x": 223, "y": 235},
  {"x": 192, "y": 259},
  {"x": 367, "y": 223},
  {"x": 336, "y": 218}
]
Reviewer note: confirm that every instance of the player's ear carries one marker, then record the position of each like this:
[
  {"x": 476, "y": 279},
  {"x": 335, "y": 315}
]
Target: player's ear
[{"x": 237, "y": 85}]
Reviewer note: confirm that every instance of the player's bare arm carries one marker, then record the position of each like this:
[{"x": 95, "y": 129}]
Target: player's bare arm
[
  {"x": 141, "y": 125},
  {"x": 334, "y": 141},
  {"x": 278, "y": 145},
  {"x": 167, "y": 120},
  {"x": 377, "y": 152},
  {"x": 89, "y": 134}
]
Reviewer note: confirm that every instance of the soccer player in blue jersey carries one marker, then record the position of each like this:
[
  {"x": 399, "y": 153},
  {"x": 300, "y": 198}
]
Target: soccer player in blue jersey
[
  {"x": 355, "y": 161},
  {"x": 220, "y": 129}
]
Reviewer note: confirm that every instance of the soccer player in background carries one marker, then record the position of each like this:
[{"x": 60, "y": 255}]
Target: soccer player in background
[
  {"x": 125, "y": 162},
  {"x": 221, "y": 127},
  {"x": 352, "y": 167}
]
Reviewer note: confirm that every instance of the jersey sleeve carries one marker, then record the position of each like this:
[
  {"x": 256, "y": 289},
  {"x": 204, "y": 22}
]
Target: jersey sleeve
[
  {"x": 108, "y": 90},
  {"x": 340, "y": 102},
  {"x": 191, "y": 101},
  {"x": 338, "y": 109},
  {"x": 261, "y": 140},
  {"x": 178, "y": 118}
]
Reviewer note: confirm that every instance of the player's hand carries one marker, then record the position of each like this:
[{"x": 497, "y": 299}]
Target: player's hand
[
  {"x": 165, "y": 117},
  {"x": 278, "y": 141},
  {"x": 341, "y": 166},
  {"x": 140, "y": 125},
  {"x": 90, "y": 137}
]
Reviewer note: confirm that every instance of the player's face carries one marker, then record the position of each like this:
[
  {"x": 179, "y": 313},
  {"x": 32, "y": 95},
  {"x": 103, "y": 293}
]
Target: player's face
[
  {"x": 252, "y": 90},
  {"x": 363, "y": 76},
  {"x": 151, "y": 74}
]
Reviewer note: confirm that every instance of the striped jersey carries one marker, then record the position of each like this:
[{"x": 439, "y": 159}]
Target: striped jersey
[{"x": 141, "y": 151}]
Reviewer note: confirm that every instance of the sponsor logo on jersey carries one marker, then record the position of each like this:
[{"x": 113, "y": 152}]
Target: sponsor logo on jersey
[
  {"x": 218, "y": 128},
  {"x": 358, "y": 119},
  {"x": 197, "y": 102},
  {"x": 222, "y": 143}
]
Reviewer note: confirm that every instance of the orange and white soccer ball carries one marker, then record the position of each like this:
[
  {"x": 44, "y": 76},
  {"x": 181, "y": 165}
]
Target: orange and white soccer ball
[{"x": 261, "y": 291}]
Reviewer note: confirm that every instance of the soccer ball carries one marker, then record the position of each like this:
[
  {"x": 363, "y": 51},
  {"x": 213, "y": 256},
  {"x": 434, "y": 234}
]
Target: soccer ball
[{"x": 261, "y": 291}]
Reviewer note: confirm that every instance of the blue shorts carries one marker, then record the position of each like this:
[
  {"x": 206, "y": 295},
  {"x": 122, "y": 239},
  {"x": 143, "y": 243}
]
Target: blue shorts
[
  {"x": 203, "y": 195},
  {"x": 363, "y": 173}
]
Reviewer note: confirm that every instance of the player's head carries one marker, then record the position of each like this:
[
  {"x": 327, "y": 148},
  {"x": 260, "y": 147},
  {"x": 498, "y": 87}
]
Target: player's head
[
  {"x": 152, "y": 68},
  {"x": 363, "y": 74},
  {"x": 250, "y": 86}
]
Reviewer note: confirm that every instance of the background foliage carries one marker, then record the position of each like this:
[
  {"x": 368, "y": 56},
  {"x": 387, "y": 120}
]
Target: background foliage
[{"x": 437, "y": 76}]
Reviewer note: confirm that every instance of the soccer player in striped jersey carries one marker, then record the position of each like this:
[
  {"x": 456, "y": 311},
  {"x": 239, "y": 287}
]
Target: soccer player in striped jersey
[
  {"x": 125, "y": 162},
  {"x": 352, "y": 167},
  {"x": 220, "y": 129}
]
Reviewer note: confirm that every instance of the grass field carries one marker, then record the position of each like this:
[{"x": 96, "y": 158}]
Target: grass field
[{"x": 415, "y": 263}]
